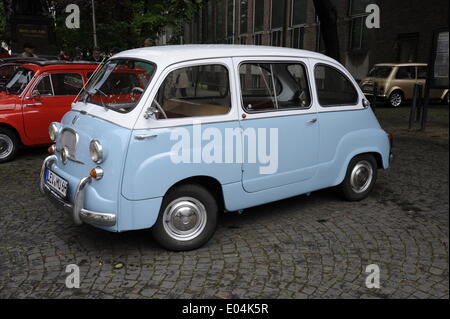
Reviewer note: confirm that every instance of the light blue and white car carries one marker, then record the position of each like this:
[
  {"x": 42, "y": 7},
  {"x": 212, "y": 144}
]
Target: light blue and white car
[{"x": 168, "y": 137}]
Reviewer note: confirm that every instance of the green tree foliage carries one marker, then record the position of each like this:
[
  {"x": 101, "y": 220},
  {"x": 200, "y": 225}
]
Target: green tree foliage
[
  {"x": 124, "y": 24},
  {"x": 2, "y": 20}
]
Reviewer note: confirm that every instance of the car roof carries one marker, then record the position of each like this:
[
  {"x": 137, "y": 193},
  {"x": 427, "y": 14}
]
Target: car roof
[
  {"x": 60, "y": 65},
  {"x": 169, "y": 54},
  {"x": 401, "y": 64}
]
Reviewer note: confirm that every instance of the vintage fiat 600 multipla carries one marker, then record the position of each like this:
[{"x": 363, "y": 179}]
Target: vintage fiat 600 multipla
[{"x": 167, "y": 137}]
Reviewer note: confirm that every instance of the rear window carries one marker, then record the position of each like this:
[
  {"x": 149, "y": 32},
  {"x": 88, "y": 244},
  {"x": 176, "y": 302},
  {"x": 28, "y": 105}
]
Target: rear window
[
  {"x": 274, "y": 86},
  {"x": 333, "y": 87}
]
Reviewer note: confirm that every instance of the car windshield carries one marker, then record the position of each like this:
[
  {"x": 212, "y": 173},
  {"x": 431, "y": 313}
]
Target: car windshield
[
  {"x": 119, "y": 84},
  {"x": 380, "y": 72},
  {"x": 19, "y": 81}
]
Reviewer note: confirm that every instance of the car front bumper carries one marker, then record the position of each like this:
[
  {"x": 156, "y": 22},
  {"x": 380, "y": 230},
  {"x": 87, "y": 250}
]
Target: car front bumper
[{"x": 76, "y": 210}]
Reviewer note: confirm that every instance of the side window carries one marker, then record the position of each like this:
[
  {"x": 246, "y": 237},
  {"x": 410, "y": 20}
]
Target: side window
[
  {"x": 422, "y": 72},
  {"x": 274, "y": 86},
  {"x": 333, "y": 87},
  {"x": 194, "y": 91},
  {"x": 44, "y": 87},
  {"x": 406, "y": 73},
  {"x": 66, "y": 83}
]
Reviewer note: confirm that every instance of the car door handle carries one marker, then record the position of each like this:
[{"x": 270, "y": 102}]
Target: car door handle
[
  {"x": 141, "y": 137},
  {"x": 312, "y": 121},
  {"x": 33, "y": 104}
]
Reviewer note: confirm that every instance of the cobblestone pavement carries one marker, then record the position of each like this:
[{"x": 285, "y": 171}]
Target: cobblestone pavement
[{"x": 303, "y": 247}]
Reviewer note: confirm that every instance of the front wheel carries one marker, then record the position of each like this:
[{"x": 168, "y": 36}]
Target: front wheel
[
  {"x": 446, "y": 100},
  {"x": 188, "y": 218},
  {"x": 395, "y": 99},
  {"x": 360, "y": 178},
  {"x": 9, "y": 143}
]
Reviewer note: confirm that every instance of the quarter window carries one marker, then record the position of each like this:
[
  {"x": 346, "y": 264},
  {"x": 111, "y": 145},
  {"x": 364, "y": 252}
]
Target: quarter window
[
  {"x": 192, "y": 92},
  {"x": 274, "y": 86},
  {"x": 406, "y": 73},
  {"x": 333, "y": 87}
]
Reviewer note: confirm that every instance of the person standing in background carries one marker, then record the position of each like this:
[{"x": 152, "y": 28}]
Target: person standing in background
[
  {"x": 96, "y": 55},
  {"x": 28, "y": 50},
  {"x": 148, "y": 43}
]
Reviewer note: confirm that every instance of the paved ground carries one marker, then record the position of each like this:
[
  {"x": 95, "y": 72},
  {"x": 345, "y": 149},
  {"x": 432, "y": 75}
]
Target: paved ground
[{"x": 317, "y": 246}]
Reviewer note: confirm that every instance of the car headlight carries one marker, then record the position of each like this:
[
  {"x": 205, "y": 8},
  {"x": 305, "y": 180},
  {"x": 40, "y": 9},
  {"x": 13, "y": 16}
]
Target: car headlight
[
  {"x": 96, "y": 151},
  {"x": 53, "y": 131}
]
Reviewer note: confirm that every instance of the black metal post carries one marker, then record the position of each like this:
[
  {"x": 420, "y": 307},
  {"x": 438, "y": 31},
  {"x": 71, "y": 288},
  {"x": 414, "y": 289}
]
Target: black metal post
[
  {"x": 374, "y": 96},
  {"x": 416, "y": 98}
]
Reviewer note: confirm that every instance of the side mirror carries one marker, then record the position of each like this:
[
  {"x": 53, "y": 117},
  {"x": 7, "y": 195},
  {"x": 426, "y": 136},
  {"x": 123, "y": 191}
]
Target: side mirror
[
  {"x": 366, "y": 103},
  {"x": 36, "y": 94}
]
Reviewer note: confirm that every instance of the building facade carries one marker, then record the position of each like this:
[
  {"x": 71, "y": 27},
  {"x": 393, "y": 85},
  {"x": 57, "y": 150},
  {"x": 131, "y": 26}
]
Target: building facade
[{"x": 405, "y": 33}]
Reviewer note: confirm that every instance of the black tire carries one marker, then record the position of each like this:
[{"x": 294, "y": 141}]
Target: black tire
[
  {"x": 186, "y": 196},
  {"x": 9, "y": 144},
  {"x": 359, "y": 164},
  {"x": 396, "y": 99}
]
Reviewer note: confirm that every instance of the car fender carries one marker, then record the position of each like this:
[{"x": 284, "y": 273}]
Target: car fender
[{"x": 360, "y": 142}]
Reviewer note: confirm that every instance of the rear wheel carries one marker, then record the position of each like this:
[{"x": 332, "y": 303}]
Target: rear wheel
[
  {"x": 395, "y": 99},
  {"x": 446, "y": 99},
  {"x": 360, "y": 178},
  {"x": 188, "y": 218},
  {"x": 9, "y": 143}
]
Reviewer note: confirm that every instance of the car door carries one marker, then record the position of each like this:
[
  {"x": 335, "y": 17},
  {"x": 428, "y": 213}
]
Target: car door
[
  {"x": 48, "y": 101},
  {"x": 278, "y": 121}
]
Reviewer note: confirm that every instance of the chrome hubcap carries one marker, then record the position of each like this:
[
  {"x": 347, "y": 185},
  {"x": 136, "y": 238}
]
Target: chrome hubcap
[
  {"x": 185, "y": 218},
  {"x": 396, "y": 99},
  {"x": 361, "y": 177},
  {"x": 6, "y": 146}
]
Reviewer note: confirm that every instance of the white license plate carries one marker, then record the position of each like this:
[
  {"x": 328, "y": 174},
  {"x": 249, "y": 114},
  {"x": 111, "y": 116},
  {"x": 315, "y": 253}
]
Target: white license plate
[{"x": 56, "y": 183}]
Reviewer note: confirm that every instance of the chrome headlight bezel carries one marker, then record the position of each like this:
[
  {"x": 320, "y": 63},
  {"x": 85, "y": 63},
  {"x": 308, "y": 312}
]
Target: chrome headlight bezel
[
  {"x": 53, "y": 131},
  {"x": 96, "y": 151}
]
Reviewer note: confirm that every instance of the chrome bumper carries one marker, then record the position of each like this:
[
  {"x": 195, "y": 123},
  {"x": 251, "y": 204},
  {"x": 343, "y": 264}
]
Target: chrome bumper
[{"x": 78, "y": 213}]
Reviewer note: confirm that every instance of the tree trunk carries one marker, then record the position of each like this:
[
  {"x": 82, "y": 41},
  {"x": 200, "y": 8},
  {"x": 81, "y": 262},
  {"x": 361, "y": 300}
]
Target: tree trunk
[{"x": 327, "y": 14}]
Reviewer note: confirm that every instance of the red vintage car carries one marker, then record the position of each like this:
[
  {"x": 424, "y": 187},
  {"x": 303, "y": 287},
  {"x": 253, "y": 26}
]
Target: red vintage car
[{"x": 38, "y": 94}]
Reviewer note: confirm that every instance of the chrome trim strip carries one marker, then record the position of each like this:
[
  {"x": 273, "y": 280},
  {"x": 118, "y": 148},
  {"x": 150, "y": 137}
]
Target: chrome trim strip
[{"x": 78, "y": 213}]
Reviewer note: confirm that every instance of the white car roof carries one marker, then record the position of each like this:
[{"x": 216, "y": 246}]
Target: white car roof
[{"x": 170, "y": 54}]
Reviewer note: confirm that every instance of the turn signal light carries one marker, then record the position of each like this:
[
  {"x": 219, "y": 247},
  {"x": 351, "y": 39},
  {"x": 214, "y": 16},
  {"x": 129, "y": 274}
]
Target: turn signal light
[
  {"x": 96, "y": 173},
  {"x": 51, "y": 150}
]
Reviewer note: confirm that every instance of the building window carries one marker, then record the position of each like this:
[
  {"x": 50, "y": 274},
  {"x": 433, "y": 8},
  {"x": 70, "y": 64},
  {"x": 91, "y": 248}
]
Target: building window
[
  {"x": 277, "y": 36},
  {"x": 210, "y": 32},
  {"x": 259, "y": 16},
  {"x": 277, "y": 14},
  {"x": 407, "y": 47},
  {"x": 257, "y": 38},
  {"x": 230, "y": 18},
  {"x": 219, "y": 20},
  {"x": 358, "y": 39},
  {"x": 358, "y": 7},
  {"x": 298, "y": 34},
  {"x": 243, "y": 16},
  {"x": 277, "y": 21},
  {"x": 299, "y": 12},
  {"x": 358, "y": 30}
]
